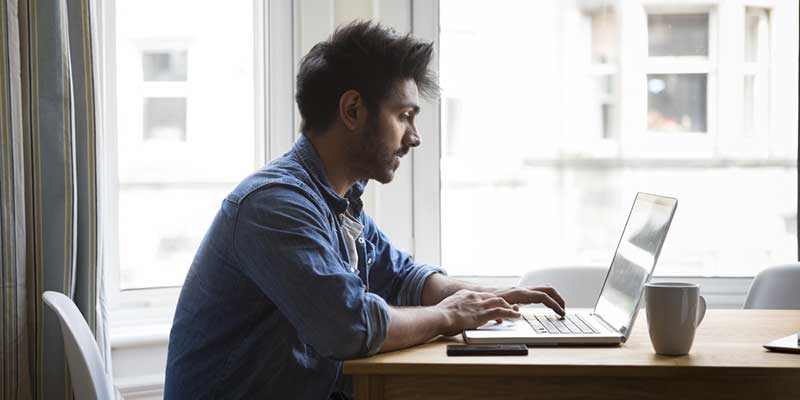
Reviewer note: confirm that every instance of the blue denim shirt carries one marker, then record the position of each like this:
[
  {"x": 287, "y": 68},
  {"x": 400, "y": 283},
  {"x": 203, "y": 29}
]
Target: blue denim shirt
[{"x": 270, "y": 305}]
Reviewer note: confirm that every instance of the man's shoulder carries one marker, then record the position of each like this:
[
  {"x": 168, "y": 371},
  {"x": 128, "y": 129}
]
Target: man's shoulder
[{"x": 283, "y": 178}]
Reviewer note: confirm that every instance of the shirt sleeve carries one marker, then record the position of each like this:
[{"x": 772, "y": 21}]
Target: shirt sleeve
[
  {"x": 394, "y": 274},
  {"x": 282, "y": 243}
]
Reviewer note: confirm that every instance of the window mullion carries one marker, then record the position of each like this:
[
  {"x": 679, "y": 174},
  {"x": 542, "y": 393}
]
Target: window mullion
[
  {"x": 280, "y": 77},
  {"x": 261, "y": 80},
  {"x": 109, "y": 165},
  {"x": 426, "y": 159}
]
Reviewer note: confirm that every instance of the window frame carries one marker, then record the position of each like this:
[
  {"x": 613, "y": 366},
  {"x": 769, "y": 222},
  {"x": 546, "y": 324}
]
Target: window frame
[{"x": 274, "y": 114}]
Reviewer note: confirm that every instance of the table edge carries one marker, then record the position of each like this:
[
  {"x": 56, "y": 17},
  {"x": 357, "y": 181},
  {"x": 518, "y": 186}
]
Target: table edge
[{"x": 567, "y": 370}]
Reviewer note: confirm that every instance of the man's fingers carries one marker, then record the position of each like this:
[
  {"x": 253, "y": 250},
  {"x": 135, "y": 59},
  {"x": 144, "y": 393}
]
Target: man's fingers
[
  {"x": 496, "y": 302},
  {"x": 536, "y": 296},
  {"x": 545, "y": 299},
  {"x": 486, "y": 295},
  {"x": 498, "y": 313},
  {"x": 472, "y": 295},
  {"x": 552, "y": 292}
]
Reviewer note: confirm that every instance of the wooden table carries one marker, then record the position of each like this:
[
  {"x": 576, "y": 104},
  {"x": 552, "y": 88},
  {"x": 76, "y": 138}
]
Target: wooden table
[{"x": 726, "y": 361}]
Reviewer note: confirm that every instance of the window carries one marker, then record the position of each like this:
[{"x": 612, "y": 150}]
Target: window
[
  {"x": 677, "y": 102},
  {"x": 678, "y": 72},
  {"x": 183, "y": 97},
  {"x": 164, "y": 74},
  {"x": 603, "y": 68},
  {"x": 756, "y": 72},
  {"x": 554, "y": 114},
  {"x": 677, "y": 35},
  {"x": 164, "y": 118},
  {"x": 164, "y": 65}
]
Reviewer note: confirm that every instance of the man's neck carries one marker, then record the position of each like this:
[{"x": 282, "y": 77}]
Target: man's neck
[{"x": 332, "y": 153}]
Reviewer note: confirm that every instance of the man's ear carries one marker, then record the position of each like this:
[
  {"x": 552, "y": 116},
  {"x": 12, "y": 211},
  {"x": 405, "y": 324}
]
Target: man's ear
[{"x": 351, "y": 110}]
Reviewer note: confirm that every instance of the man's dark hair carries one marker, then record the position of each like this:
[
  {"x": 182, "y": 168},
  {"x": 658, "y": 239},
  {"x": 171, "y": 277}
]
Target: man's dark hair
[{"x": 362, "y": 56}]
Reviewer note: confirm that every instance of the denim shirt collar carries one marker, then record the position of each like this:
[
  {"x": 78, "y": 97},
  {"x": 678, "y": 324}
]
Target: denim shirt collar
[{"x": 309, "y": 158}]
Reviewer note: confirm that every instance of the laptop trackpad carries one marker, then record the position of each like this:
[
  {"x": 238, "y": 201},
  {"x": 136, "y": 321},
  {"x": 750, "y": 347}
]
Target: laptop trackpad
[{"x": 517, "y": 327}]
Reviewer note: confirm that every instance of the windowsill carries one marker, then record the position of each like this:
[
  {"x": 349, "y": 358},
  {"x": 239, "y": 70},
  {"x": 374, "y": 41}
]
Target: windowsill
[
  {"x": 140, "y": 326},
  {"x": 123, "y": 337}
]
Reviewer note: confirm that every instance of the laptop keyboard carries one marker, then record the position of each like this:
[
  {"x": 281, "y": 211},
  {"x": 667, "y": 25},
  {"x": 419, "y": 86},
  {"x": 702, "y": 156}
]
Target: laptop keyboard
[{"x": 570, "y": 324}]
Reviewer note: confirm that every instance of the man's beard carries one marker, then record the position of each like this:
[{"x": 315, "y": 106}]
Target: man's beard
[{"x": 373, "y": 157}]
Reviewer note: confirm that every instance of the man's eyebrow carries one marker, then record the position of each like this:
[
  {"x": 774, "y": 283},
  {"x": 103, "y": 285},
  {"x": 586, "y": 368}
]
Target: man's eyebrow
[{"x": 412, "y": 105}]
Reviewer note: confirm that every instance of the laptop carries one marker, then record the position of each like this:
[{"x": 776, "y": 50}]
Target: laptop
[{"x": 615, "y": 311}]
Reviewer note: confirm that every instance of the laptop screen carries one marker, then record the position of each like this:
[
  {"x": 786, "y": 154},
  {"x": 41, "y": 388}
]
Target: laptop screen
[{"x": 635, "y": 258}]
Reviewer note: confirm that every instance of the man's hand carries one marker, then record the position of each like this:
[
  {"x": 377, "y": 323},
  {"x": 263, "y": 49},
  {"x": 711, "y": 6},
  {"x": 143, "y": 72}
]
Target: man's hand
[
  {"x": 467, "y": 309},
  {"x": 546, "y": 295},
  {"x": 438, "y": 287}
]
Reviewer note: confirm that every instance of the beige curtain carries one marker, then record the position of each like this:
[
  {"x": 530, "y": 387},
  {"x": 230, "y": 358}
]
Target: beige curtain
[{"x": 49, "y": 219}]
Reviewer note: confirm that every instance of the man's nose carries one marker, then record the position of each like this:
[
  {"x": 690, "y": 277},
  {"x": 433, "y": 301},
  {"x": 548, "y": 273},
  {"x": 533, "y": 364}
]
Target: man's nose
[{"x": 412, "y": 139}]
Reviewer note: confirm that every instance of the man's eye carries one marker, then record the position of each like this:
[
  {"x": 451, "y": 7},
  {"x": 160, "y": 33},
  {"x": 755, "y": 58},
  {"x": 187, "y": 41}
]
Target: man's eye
[{"x": 404, "y": 117}]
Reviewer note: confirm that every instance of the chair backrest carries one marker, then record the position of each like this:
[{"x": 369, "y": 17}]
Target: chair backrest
[
  {"x": 578, "y": 285},
  {"x": 775, "y": 287},
  {"x": 86, "y": 367}
]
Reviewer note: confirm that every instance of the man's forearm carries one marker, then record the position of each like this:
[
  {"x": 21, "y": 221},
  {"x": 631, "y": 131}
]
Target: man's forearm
[
  {"x": 438, "y": 287},
  {"x": 410, "y": 326}
]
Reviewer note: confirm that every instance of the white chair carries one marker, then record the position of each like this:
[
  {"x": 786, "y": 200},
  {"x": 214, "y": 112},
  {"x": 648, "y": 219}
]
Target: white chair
[
  {"x": 775, "y": 287},
  {"x": 578, "y": 285},
  {"x": 89, "y": 378}
]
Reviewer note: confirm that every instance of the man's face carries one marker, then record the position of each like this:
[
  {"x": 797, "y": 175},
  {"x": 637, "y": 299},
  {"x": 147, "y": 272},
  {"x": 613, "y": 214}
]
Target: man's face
[{"x": 388, "y": 134}]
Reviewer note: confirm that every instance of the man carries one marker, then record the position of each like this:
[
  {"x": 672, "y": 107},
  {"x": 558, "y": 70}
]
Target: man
[{"x": 292, "y": 276}]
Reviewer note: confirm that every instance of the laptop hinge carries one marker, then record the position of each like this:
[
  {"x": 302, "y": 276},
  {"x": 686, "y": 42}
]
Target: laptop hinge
[{"x": 611, "y": 328}]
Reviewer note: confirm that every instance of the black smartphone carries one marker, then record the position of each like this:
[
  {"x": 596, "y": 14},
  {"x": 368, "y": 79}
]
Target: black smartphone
[{"x": 487, "y": 350}]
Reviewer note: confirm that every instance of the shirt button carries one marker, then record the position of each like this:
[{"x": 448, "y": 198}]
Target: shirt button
[
  {"x": 361, "y": 240},
  {"x": 369, "y": 261}
]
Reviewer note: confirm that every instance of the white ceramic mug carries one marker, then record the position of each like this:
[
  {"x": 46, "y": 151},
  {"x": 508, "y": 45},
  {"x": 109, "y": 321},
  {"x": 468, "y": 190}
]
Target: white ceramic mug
[{"x": 674, "y": 310}]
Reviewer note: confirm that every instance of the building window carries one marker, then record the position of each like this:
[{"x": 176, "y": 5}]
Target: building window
[
  {"x": 164, "y": 90},
  {"x": 676, "y": 102},
  {"x": 603, "y": 68},
  {"x": 164, "y": 118},
  {"x": 677, "y": 35},
  {"x": 169, "y": 65},
  {"x": 677, "y": 79},
  {"x": 756, "y": 72}
]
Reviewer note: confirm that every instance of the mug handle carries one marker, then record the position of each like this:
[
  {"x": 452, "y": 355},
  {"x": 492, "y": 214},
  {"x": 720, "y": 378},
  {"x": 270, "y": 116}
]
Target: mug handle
[{"x": 701, "y": 310}]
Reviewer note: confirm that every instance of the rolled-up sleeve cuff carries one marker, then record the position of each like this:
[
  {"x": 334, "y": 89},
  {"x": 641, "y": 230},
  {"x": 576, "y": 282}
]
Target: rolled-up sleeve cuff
[
  {"x": 377, "y": 320},
  {"x": 410, "y": 293}
]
